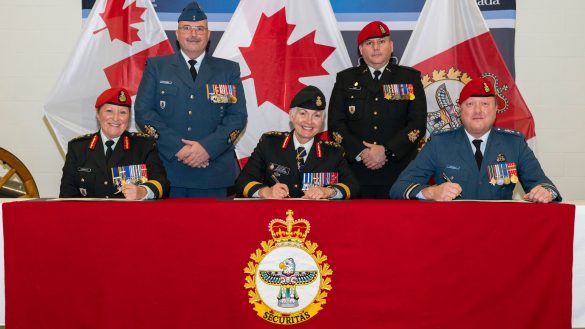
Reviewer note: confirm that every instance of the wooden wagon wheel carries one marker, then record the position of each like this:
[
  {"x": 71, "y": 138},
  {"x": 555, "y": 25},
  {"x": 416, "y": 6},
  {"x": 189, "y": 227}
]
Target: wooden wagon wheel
[{"x": 17, "y": 181}]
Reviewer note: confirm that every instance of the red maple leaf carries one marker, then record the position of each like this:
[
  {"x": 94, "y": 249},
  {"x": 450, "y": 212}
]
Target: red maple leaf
[
  {"x": 118, "y": 20},
  {"x": 275, "y": 66}
]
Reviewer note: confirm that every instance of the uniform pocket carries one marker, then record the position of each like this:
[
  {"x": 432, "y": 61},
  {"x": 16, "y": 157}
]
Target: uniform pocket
[{"x": 355, "y": 103}]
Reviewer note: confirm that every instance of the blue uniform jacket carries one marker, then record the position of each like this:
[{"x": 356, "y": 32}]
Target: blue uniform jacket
[
  {"x": 451, "y": 153},
  {"x": 171, "y": 106}
]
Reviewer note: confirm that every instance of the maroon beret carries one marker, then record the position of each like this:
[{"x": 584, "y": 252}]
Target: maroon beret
[
  {"x": 480, "y": 87},
  {"x": 375, "y": 29},
  {"x": 116, "y": 95}
]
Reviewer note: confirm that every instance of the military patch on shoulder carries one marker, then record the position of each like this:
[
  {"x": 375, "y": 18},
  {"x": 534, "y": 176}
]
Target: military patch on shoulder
[{"x": 82, "y": 137}]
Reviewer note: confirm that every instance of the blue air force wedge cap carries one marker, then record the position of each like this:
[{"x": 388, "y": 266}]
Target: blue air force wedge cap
[
  {"x": 310, "y": 98},
  {"x": 192, "y": 13}
]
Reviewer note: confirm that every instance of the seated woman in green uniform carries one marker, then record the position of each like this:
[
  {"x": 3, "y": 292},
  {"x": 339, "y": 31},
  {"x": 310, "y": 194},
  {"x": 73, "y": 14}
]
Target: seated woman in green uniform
[
  {"x": 297, "y": 164},
  {"x": 113, "y": 162}
]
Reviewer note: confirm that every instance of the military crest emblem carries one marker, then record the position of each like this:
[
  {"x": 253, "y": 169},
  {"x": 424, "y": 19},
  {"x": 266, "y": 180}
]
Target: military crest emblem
[
  {"x": 122, "y": 97},
  {"x": 288, "y": 278},
  {"x": 162, "y": 104},
  {"x": 351, "y": 109}
]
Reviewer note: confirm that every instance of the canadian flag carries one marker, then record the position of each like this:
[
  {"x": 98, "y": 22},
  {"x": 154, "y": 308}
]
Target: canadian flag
[
  {"x": 281, "y": 46},
  {"x": 118, "y": 37},
  {"x": 451, "y": 45}
]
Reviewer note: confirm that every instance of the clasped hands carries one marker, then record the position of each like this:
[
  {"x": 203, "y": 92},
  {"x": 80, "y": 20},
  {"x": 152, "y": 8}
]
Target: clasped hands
[
  {"x": 373, "y": 156},
  {"x": 280, "y": 191},
  {"x": 193, "y": 154}
]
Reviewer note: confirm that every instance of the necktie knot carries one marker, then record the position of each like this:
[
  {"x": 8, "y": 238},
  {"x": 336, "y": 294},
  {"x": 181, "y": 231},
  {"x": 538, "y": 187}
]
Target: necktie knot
[
  {"x": 192, "y": 69},
  {"x": 377, "y": 74},
  {"x": 478, "y": 154}
]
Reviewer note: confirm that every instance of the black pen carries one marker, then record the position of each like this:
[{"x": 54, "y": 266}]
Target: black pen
[{"x": 445, "y": 177}]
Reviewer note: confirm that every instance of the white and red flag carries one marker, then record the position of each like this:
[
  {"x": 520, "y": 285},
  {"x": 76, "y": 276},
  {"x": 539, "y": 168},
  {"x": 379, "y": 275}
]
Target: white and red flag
[
  {"x": 118, "y": 37},
  {"x": 451, "y": 44},
  {"x": 281, "y": 46}
]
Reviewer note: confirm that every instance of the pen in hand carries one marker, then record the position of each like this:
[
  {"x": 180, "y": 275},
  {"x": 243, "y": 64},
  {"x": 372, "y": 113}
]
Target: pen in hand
[
  {"x": 446, "y": 178},
  {"x": 277, "y": 182}
]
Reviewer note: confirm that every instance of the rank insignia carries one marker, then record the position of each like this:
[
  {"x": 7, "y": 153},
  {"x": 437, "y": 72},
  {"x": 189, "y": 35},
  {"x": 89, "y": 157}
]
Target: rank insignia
[
  {"x": 221, "y": 93},
  {"x": 382, "y": 29},
  {"x": 93, "y": 142},
  {"x": 163, "y": 104},
  {"x": 233, "y": 136},
  {"x": 413, "y": 135},
  {"x": 151, "y": 131},
  {"x": 122, "y": 97},
  {"x": 351, "y": 109},
  {"x": 398, "y": 91},
  {"x": 337, "y": 137},
  {"x": 500, "y": 158},
  {"x": 287, "y": 278},
  {"x": 486, "y": 88}
]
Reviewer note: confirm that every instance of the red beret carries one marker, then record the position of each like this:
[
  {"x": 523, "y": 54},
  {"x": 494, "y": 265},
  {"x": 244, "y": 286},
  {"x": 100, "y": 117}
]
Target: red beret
[
  {"x": 481, "y": 87},
  {"x": 116, "y": 95},
  {"x": 374, "y": 29}
]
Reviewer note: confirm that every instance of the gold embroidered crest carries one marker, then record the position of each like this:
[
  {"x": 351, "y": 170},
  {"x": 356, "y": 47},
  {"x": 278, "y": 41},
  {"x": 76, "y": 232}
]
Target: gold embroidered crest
[
  {"x": 122, "y": 97},
  {"x": 280, "y": 266},
  {"x": 413, "y": 135},
  {"x": 337, "y": 137}
]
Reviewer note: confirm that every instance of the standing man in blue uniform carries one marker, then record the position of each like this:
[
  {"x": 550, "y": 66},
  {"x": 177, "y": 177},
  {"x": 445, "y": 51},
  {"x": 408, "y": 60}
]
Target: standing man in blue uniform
[
  {"x": 194, "y": 105},
  {"x": 378, "y": 113},
  {"x": 477, "y": 161}
]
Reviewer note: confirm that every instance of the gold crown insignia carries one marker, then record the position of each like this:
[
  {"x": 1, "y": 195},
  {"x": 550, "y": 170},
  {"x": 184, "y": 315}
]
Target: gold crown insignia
[
  {"x": 122, "y": 97},
  {"x": 294, "y": 230}
]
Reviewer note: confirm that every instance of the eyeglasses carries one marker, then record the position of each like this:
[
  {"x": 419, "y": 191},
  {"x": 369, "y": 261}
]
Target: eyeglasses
[{"x": 189, "y": 28}]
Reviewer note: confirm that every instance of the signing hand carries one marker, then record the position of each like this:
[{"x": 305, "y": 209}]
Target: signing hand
[
  {"x": 277, "y": 191},
  {"x": 444, "y": 192}
]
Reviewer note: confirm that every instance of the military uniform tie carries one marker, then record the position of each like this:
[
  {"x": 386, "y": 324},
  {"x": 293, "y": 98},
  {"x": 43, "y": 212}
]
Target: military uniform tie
[
  {"x": 478, "y": 154},
  {"x": 192, "y": 69},
  {"x": 109, "y": 150},
  {"x": 377, "y": 75},
  {"x": 301, "y": 154}
]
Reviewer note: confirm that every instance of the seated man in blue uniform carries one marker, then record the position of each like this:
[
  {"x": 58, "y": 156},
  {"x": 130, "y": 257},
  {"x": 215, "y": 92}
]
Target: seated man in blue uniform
[
  {"x": 113, "y": 162},
  {"x": 477, "y": 161},
  {"x": 194, "y": 104},
  {"x": 297, "y": 164}
]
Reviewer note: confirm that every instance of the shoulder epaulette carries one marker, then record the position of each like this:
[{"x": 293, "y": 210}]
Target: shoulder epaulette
[
  {"x": 508, "y": 131},
  {"x": 78, "y": 138},
  {"x": 440, "y": 132},
  {"x": 408, "y": 68},
  {"x": 277, "y": 133},
  {"x": 353, "y": 68}
]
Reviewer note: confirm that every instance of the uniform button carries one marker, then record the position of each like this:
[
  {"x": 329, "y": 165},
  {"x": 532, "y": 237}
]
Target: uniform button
[
  {"x": 375, "y": 127},
  {"x": 106, "y": 183},
  {"x": 190, "y": 112},
  {"x": 352, "y": 97},
  {"x": 83, "y": 179},
  {"x": 221, "y": 107},
  {"x": 296, "y": 186},
  {"x": 376, "y": 99},
  {"x": 192, "y": 96},
  {"x": 375, "y": 113},
  {"x": 162, "y": 92},
  {"x": 375, "y": 143},
  {"x": 107, "y": 196},
  {"x": 189, "y": 129}
]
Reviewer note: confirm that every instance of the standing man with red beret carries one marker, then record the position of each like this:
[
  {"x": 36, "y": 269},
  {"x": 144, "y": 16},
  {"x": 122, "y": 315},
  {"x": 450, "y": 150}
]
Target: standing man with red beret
[
  {"x": 377, "y": 113},
  {"x": 478, "y": 161}
]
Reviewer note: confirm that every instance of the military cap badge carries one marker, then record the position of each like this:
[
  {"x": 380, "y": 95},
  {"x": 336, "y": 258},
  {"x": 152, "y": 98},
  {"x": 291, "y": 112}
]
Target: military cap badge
[{"x": 122, "y": 96}]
